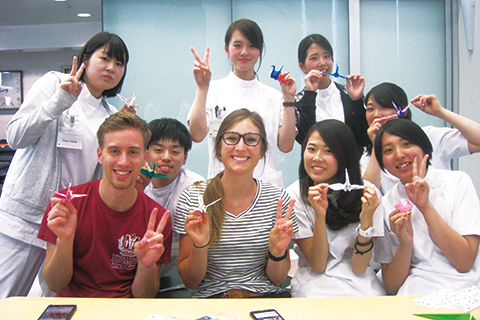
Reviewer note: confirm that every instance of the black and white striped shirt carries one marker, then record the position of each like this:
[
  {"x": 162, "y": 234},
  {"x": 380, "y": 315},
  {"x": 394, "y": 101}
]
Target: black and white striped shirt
[{"x": 239, "y": 259}]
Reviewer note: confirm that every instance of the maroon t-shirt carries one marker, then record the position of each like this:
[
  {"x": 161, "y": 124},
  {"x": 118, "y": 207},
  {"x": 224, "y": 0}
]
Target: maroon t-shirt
[{"x": 104, "y": 263}]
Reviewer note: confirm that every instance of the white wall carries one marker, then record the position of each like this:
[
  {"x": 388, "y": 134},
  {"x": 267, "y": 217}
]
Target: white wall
[
  {"x": 469, "y": 92},
  {"x": 37, "y": 49},
  {"x": 47, "y": 36}
]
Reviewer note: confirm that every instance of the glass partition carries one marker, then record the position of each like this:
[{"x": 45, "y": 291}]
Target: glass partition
[{"x": 401, "y": 42}]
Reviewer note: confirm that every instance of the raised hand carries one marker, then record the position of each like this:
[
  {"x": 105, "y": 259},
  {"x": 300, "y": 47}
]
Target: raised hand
[
  {"x": 370, "y": 203},
  {"x": 428, "y": 104},
  {"x": 62, "y": 218},
  {"x": 197, "y": 227},
  {"x": 317, "y": 196},
  {"x": 72, "y": 83},
  {"x": 374, "y": 127},
  {"x": 418, "y": 190},
  {"x": 312, "y": 79},
  {"x": 355, "y": 86},
  {"x": 142, "y": 180},
  {"x": 282, "y": 231},
  {"x": 201, "y": 70},
  {"x": 150, "y": 248},
  {"x": 401, "y": 225},
  {"x": 128, "y": 109},
  {"x": 289, "y": 87}
]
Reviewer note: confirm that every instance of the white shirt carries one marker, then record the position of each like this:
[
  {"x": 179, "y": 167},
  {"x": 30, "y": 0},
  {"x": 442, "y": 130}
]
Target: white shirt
[
  {"x": 329, "y": 104},
  {"x": 453, "y": 195},
  {"x": 80, "y": 122},
  {"x": 232, "y": 93},
  {"x": 338, "y": 280}
]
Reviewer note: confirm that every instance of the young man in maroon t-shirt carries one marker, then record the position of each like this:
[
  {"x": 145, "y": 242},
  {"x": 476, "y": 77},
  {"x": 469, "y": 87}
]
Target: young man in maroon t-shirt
[{"x": 108, "y": 243}]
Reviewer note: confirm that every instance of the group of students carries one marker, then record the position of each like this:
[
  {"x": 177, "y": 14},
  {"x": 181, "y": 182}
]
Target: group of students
[{"x": 232, "y": 232}]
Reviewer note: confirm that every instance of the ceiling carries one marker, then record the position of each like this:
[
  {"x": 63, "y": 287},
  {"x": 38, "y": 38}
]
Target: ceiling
[{"x": 31, "y": 12}]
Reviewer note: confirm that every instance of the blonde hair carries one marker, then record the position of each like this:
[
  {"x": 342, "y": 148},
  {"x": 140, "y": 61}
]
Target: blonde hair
[{"x": 214, "y": 189}]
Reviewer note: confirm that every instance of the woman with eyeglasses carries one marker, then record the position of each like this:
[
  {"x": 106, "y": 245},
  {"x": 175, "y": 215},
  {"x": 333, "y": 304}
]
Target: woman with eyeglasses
[
  {"x": 235, "y": 230},
  {"x": 241, "y": 89}
]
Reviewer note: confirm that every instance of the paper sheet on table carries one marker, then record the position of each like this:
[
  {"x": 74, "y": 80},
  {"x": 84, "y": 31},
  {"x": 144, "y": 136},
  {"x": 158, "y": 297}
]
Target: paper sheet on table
[{"x": 464, "y": 300}]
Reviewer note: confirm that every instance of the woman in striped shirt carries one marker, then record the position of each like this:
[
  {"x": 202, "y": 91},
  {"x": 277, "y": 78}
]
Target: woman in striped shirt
[{"x": 238, "y": 247}]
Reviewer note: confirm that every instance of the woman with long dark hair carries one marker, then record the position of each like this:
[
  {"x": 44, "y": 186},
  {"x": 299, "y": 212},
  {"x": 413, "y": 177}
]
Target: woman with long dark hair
[{"x": 336, "y": 225}]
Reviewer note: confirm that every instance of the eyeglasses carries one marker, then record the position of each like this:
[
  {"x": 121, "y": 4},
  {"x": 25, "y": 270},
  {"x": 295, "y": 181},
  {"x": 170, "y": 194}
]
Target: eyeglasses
[{"x": 250, "y": 139}]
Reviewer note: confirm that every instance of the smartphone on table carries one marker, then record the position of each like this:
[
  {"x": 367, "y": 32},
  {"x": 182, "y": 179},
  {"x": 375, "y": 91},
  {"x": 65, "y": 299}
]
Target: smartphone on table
[
  {"x": 58, "y": 312},
  {"x": 268, "y": 314}
]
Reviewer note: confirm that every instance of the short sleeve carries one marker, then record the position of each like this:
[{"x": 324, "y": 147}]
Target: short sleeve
[{"x": 304, "y": 213}]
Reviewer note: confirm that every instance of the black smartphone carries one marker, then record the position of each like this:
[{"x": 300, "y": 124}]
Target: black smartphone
[
  {"x": 268, "y": 314},
  {"x": 58, "y": 312}
]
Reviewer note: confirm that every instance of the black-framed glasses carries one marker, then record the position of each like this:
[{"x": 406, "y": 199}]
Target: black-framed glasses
[{"x": 250, "y": 139}]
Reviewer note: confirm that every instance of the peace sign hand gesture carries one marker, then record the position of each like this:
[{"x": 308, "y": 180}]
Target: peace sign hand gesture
[
  {"x": 72, "y": 84},
  {"x": 282, "y": 231},
  {"x": 201, "y": 71},
  {"x": 150, "y": 248},
  {"x": 418, "y": 190}
]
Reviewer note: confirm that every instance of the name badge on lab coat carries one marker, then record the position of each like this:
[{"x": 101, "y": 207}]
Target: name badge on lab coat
[{"x": 68, "y": 134}]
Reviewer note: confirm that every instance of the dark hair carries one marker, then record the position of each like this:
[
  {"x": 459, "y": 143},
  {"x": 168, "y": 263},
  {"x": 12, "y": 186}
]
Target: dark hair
[
  {"x": 121, "y": 121},
  {"x": 250, "y": 30},
  {"x": 343, "y": 207},
  {"x": 308, "y": 41},
  {"x": 114, "y": 47},
  {"x": 385, "y": 93},
  {"x": 170, "y": 129},
  {"x": 404, "y": 129}
]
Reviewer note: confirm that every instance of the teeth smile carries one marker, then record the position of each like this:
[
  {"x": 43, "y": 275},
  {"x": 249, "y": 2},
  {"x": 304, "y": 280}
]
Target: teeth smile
[
  {"x": 240, "y": 158},
  {"x": 403, "y": 165},
  {"x": 123, "y": 173}
]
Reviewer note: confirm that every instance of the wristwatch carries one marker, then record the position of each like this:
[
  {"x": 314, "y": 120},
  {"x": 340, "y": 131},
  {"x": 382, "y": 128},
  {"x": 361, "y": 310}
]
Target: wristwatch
[{"x": 366, "y": 233}]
